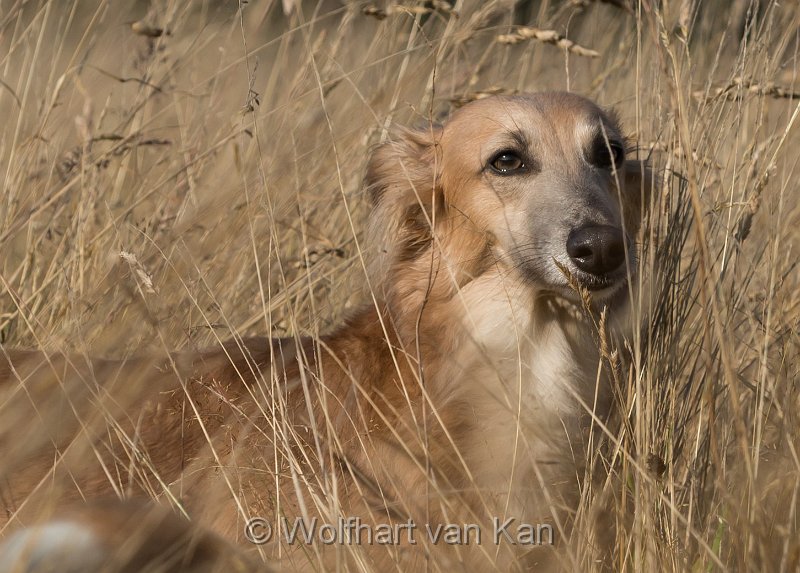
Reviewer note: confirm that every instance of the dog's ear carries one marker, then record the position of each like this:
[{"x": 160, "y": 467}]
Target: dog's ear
[
  {"x": 638, "y": 184},
  {"x": 404, "y": 167},
  {"x": 404, "y": 187}
]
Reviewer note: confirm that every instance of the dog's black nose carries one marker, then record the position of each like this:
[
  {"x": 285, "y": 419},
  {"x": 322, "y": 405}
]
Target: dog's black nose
[{"x": 597, "y": 249}]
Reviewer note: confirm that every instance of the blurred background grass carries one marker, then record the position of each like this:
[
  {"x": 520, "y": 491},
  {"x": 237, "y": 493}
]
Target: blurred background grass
[{"x": 175, "y": 173}]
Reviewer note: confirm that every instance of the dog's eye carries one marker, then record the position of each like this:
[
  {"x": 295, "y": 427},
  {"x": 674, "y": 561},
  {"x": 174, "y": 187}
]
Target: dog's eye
[
  {"x": 506, "y": 163},
  {"x": 607, "y": 153}
]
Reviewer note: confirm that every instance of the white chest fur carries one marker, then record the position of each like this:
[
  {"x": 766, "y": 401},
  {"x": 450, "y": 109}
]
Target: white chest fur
[{"x": 524, "y": 380}]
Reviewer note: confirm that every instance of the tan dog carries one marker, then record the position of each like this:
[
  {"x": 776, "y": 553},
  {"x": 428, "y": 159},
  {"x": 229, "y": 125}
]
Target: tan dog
[{"x": 459, "y": 395}]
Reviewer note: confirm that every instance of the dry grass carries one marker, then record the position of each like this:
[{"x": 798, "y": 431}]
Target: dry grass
[{"x": 196, "y": 176}]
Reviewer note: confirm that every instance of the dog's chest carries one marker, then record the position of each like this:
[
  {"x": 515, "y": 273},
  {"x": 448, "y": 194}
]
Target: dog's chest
[
  {"x": 525, "y": 378},
  {"x": 521, "y": 352}
]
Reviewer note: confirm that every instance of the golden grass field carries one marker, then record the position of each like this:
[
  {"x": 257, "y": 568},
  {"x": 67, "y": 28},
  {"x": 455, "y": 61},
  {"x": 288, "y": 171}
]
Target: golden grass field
[{"x": 175, "y": 173}]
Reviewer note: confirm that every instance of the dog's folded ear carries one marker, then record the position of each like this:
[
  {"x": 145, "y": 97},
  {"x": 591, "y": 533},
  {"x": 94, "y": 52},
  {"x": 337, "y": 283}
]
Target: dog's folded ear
[
  {"x": 638, "y": 184},
  {"x": 404, "y": 187},
  {"x": 404, "y": 167}
]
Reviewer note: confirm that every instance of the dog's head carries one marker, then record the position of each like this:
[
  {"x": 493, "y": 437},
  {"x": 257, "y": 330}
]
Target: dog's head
[{"x": 537, "y": 183}]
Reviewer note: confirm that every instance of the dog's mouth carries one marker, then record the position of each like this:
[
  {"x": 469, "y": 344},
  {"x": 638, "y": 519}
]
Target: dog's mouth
[
  {"x": 564, "y": 280},
  {"x": 602, "y": 288},
  {"x": 599, "y": 283},
  {"x": 605, "y": 287}
]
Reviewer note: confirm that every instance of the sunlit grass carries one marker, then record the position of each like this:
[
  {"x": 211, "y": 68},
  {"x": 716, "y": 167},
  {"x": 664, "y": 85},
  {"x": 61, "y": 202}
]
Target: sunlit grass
[{"x": 178, "y": 173}]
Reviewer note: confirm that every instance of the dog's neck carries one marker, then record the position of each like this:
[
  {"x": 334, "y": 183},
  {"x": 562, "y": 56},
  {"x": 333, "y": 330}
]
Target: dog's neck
[
  {"x": 459, "y": 319},
  {"x": 522, "y": 366},
  {"x": 444, "y": 301}
]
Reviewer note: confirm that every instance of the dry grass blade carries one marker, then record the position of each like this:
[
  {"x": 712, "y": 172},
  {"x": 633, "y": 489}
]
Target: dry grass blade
[
  {"x": 178, "y": 174},
  {"x": 439, "y": 6},
  {"x": 523, "y": 34},
  {"x": 739, "y": 87},
  {"x": 480, "y": 94}
]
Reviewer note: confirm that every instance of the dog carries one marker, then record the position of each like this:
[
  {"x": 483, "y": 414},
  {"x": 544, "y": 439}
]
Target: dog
[{"x": 459, "y": 395}]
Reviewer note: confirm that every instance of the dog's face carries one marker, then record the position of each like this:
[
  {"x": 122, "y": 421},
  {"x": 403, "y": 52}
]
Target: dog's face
[{"x": 542, "y": 178}]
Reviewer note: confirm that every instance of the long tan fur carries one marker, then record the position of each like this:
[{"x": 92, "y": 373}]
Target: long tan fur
[{"x": 462, "y": 392}]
